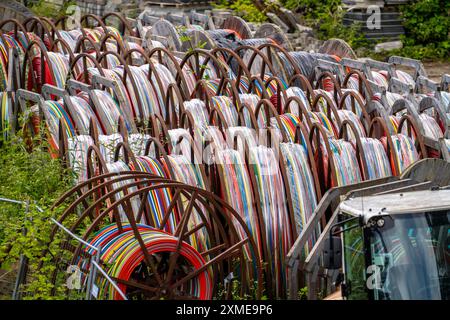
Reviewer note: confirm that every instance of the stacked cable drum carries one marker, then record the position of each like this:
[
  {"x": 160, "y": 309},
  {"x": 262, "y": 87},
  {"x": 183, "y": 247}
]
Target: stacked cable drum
[{"x": 195, "y": 167}]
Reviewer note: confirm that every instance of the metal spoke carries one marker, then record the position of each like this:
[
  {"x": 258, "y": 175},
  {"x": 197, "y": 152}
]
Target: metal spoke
[{"x": 220, "y": 257}]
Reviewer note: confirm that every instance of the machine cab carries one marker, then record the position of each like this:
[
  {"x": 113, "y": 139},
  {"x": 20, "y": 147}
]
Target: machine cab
[{"x": 394, "y": 246}]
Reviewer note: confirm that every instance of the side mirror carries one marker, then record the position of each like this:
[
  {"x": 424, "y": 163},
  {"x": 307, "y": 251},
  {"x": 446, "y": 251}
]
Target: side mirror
[{"x": 332, "y": 253}]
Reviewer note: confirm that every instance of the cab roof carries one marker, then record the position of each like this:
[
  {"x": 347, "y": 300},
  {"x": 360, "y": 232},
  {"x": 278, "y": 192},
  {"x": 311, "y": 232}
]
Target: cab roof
[{"x": 397, "y": 203}]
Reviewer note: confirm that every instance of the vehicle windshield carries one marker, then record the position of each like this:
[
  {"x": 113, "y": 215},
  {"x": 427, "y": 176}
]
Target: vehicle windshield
[{"x": 409, "y": 257}]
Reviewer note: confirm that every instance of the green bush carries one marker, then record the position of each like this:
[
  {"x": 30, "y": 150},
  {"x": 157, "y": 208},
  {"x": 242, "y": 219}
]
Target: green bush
[
  {"x": 325, "y": 17},
  {"x": 43, "y": 8},
  {"x": 38, "y": 178},
  {"x": 427, "y": 29},
  {"x": 243, "y": 8}
]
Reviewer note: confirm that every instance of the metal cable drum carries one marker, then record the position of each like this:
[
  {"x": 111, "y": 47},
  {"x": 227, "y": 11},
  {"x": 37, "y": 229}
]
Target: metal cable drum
[{"x": 131, "y": 258}]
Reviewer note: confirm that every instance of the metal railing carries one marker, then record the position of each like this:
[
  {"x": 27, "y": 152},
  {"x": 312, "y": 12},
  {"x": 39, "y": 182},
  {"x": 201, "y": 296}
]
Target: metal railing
[{"x": 94, "y": 265}]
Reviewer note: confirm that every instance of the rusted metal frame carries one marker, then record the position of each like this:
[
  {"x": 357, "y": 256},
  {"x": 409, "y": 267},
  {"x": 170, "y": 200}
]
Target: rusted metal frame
[
  {"x": 124, "y": 26},
  {"x": 228, "y": 56},
  {"x": 73, "y": 74},
  {"x": 54, "y": 30},
  {"x": 37, "y": 22},
  {"x": 216, "y": 118},
  {"x": 363, "y": 105},
  {"x": 198, "y": 69},
  {"x": 303, "y": 110},
  {"x": 187, "y": 122},
  {"x": 288, "y": 56},
  {"x": 325, "y": 75},
  {"x": 151, "y": 67},
  {"x": 172, "y": 93},
  {"x": 179, "y": 77},
  {"x": 266, "y": 255},
  {"x": 257, "y": 52},
  {"x": 318, "y": 132},
  {"x": 127, "y": 72},
  {"x": 17, "y": 27},
  {"x": 160, "y": 133},
  {"x": 331, "y": 107},
  {"x": 390, "y": 149},
  {"x": 241, "y": 120},
  {"x": 364, "y": 86},
  {"x": 80, "y": 46},
  {"x": 201, "y": 92},
  {"x": 305, "y": 85},
  {"x": 105, "y": 179},
  {"x": 29, "y": 58},
  {"x": 65, "y": 46},
  {"x": 270, "y": 111},
  {"x": 180, "y": 233},
  {"x": 229, "y": 89},
  {"x": 256, "y": 79},
  {"x": 224, "y": 255},
  {"x": 119, "y": 43},
  {"x": 300, "y": 130},
  {"x": 412, "y": 126},
  {"x": 110, "y": 196},
  {"x": 361, "y": 156},
  {"x": 281, "y": 91},
  {"x": 94, "y": 157},
  {"x": 153, "y": 187},
  {"x": 85, "y": 18}
]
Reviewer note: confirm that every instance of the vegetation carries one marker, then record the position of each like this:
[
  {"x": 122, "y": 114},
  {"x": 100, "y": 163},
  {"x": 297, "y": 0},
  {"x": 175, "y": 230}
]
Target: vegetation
[
  {"x": 44, "y": 8},
  {"x": 427, "y": 29},
  {"x": 244, "y": 8},
  {"x": 39, "y": 179}
]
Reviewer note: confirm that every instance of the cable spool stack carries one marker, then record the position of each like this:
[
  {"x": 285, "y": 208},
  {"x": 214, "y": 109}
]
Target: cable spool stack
[{"x": 133, "y": 119}]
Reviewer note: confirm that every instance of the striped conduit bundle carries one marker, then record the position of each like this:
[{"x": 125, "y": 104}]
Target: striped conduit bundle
[
  {"x": 123, "y": 254},
  {"x": 272, "y": 201},
  {"x": 301, "y": 184},
  {"x": 237, "y": 191},
  {"x": 376, "y": 157},
  {"x": 345, "y": 162},
  {"x": 159, "y": 199}
]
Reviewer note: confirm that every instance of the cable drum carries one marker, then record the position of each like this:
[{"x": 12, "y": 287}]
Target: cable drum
[{"x": 123, "y": 254}]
